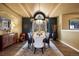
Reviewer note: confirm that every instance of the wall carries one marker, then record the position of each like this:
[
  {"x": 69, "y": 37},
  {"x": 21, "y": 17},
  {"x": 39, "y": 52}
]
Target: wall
[
  {"x": 71, "y": 38},
  {"x": 65, "y": 12},
  {"x": 16, "y": 19},
  {"x": 66, "y": 18}
]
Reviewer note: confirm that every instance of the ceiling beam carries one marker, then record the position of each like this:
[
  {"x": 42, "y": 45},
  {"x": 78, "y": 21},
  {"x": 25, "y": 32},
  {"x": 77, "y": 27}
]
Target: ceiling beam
[
  {"x": 27, "y": 10},
  {"x": 49, "y": 12},
  {"x": 12, "y": 10},
  {"x": 22, "y": 7},
  {"x": 52, "y": 12}
]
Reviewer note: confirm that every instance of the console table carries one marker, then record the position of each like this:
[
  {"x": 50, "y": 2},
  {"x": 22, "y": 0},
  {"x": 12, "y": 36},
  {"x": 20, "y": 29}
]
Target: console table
[{"x": 7, "y": 40}]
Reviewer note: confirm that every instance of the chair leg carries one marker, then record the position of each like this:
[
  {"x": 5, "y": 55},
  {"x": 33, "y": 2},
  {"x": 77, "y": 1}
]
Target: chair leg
[
  {"x": 42, "y": 51},
  {"x": 48, "y": 45},
  {"x": 29, "y": 45},
  {"x": 34, "y": 50}
]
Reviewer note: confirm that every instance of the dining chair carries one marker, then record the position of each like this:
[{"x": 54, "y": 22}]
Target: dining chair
[{"x": 38, "y": 42}]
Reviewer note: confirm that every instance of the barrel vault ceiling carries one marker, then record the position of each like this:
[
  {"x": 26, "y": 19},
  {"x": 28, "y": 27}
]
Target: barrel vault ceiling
[{"x": 28, "y": 9}]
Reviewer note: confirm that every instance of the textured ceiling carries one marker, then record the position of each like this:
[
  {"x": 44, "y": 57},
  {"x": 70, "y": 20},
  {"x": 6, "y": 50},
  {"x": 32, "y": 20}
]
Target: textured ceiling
[{"x": 28, "y": 9}]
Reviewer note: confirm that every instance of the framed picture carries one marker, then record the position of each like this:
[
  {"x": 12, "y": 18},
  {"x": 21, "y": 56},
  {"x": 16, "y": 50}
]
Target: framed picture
[
  {"x": 74, "y": 24},
  {"x": 0, "y": 23},
  {"x": 4, "y": 24}
]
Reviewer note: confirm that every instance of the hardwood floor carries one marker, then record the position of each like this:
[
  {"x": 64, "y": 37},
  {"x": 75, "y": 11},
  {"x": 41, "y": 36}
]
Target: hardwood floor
[
  {"x": 11, "y": 50},
  {"x": 56, "y": 49},
  {"x": 67, "y": 51},
  {"x": 20, "y": 49}
]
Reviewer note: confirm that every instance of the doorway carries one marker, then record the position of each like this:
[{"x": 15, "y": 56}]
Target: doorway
[
  {"x": 52, "y": 27},
  {"x": 26, "y": 25}
]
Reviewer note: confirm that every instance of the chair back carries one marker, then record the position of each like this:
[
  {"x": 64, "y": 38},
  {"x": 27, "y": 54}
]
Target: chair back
[
  {"x": 38, "y": 40},
  {"x": 47, "y": 35},
  {"x": 29, "y": 34}
]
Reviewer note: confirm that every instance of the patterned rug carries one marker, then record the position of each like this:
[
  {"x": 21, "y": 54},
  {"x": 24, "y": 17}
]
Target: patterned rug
[
  {"x": 29, "y": 52},
  {"x": 52, "y": 51}
]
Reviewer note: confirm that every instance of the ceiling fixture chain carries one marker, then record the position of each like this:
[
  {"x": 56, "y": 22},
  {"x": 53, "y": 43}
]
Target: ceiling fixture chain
[{"x": 39, "y": 6}]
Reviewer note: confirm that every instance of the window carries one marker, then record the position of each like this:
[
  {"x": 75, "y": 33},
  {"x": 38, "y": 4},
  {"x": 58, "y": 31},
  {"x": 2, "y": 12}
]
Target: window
[
  {"x": 74, "y": 24},
  {"x": 39, "y": 17}
]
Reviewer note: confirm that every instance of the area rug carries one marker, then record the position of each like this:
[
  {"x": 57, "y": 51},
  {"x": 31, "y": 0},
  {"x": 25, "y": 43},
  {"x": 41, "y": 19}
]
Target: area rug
[{"x": 49, "y": 51}]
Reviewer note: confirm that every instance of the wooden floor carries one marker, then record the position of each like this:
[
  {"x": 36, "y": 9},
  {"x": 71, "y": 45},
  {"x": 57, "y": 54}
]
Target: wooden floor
[
  {"x": 11, "y": 50},
  {"x": 67, "y": 51},
  {"x": 56, "y": 49}
]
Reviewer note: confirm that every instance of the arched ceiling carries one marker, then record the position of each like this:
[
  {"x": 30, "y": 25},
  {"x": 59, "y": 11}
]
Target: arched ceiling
[{"x": 28, "y": 9}]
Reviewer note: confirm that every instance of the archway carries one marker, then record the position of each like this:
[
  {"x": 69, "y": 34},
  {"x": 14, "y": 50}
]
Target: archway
[{"x": 39, "y": 22}]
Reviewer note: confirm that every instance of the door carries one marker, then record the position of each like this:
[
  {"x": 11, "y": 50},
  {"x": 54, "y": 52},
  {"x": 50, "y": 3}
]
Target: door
[
  {"x": 52, "y": 27},
  {"x": 26, "y": 25}
]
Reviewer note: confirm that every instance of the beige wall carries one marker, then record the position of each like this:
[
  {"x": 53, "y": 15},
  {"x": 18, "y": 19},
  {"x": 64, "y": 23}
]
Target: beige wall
[
  {"x": 66, "y": 18},
  {"x": 59, "y": 26},
  {"x": 65, "y": 12},
  {"x": 71, "y": 38},
  {"x": 7, "y": 13}
]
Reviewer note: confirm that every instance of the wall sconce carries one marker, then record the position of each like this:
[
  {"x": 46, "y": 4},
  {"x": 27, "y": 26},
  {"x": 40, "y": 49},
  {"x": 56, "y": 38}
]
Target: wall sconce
[{"x": 13, "y": 24}]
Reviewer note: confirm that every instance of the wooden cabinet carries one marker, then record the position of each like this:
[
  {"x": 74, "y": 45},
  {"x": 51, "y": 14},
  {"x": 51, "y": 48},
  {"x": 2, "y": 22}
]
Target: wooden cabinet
[{"x": 7, "y": 40}]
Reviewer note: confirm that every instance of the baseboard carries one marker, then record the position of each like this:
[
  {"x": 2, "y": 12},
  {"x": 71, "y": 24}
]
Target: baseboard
[{"x": 69, "y": 46}]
